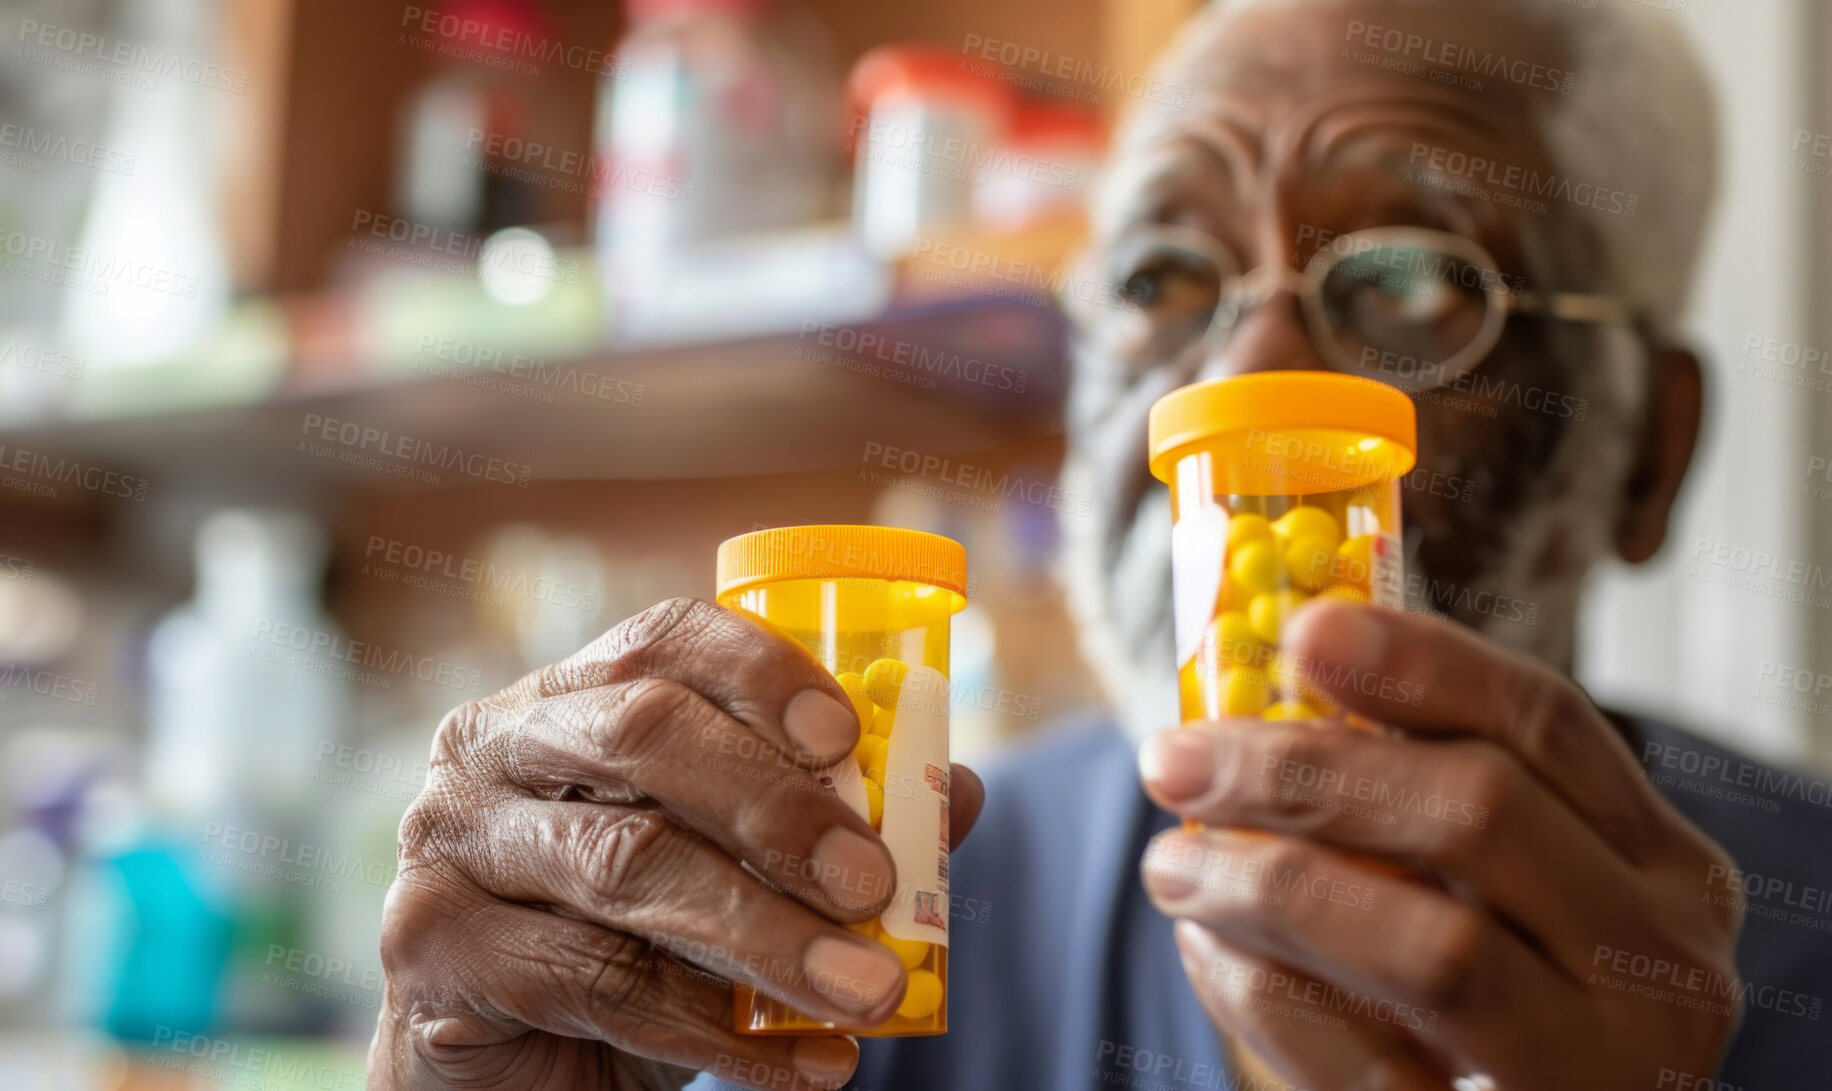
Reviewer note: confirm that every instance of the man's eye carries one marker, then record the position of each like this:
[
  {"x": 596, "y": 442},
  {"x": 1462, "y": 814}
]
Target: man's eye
[{"x": 1171, "y": 285}]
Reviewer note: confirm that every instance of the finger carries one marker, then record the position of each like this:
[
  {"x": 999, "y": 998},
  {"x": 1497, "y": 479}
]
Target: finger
[
  {"x": 631, "y": 870},
  {"x": 1462, "y": 810},
  {"x": 575, "y": 980},
  {"x": 1384, "y": 937},
  {"x": 659, "y": 740},
  {"x": 1310, "y": 1033},
  {"x": 966, "y": 795},
  {"x": 1433, "y": 676},
  {"x": 759, "y": 677}
]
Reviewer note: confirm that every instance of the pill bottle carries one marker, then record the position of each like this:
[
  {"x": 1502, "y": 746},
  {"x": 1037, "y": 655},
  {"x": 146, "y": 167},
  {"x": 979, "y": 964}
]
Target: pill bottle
[
  {"x": 874, "y": 605},
  {"x": 1284, "y": 486}
]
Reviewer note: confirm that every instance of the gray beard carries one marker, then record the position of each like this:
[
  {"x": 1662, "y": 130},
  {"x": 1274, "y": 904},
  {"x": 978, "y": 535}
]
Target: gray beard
[{"x": 1115, "y": 563}]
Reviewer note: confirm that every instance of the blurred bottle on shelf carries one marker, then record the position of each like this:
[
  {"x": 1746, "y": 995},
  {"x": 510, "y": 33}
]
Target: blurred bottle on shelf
[
  {"x": 922, "y": 128},
  {"x": 720, "y": 118},
  {"x": 246, "y": 683},
  {"x": 464, "y": 125}
]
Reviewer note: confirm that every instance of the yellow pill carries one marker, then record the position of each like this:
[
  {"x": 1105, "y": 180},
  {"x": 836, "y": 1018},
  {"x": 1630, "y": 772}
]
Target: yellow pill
[
  {"x": 882, "y": 719},
  {"x": 1347, "y": 592},
  {"x": 1255, "y": 568},
  {"x": 874, "y": 802},
  {"x": 911, "y": 951},
  {"x": 1235, "y": 641},
  {"x": 1247, "y": 527},
  {"x": 855, "y": 692},
  {"x": 923, "y": 998},
  {"x": 1290, "y": 710},
  {"x": 1267, "y": 612},
  {"x": 1244, "y": 691},
  {"x": 1308, "y": 522},
  {"x": 1310, "y": 559},
  {"x": 871, "y": 752},
  {"x": 866, "y": 928},
  {"x": 1357, "y": 560},
  {"x": 884, "y": 681}
]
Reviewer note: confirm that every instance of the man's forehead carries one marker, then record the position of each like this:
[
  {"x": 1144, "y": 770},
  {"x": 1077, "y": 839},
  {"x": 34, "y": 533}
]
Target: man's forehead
[
  {"x": 1261, "y": 67},
  {"x": 1292, "y": 82}
]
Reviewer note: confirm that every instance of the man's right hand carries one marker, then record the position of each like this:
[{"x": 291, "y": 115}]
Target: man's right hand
[{"x": 593, "y": 845}]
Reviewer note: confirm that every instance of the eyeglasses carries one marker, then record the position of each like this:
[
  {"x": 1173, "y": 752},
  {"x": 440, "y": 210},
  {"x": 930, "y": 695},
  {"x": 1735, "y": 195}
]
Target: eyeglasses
[{"x": 1407, "y": 305}]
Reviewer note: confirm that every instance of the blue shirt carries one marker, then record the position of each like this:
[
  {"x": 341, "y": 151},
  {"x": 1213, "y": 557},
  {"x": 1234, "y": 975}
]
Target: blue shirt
[{"x": 1063, "y": 975}]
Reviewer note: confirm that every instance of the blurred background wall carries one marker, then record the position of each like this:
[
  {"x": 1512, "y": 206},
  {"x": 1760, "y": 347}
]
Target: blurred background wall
[{"x": 356, "y": 357}]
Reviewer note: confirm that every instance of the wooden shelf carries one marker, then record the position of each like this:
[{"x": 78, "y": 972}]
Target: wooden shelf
[{"x": 758, "y": 405}]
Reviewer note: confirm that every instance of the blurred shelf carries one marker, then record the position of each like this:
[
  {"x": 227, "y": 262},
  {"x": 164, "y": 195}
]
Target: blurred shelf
[{"x": 941, "y": 376}]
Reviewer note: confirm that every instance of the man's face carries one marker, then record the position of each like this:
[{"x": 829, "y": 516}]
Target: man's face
[{"x": 1297, "y": 131}]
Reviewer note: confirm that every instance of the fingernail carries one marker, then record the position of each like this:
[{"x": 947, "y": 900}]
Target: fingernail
[
  {"x": 851, "y": 869},
  {"x": 820, "y": 725},
  {"x": 826, "y": 1060},
  {"x": 1353, "y": 636},
  {"x": 853, "y": 975},
  {"x": 1179, "y": 764},
  {"x": 1173, "y": 869}
]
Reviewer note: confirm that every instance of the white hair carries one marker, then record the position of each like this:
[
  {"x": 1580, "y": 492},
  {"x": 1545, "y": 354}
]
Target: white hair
[{"x": 1641, "y": 119}]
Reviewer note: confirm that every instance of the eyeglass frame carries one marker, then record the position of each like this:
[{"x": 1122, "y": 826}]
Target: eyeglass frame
[{"x": 1239, "y": 292}]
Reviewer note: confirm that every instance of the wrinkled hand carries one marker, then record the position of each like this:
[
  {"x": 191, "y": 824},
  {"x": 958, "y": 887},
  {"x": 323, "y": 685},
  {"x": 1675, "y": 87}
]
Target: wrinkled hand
[
  {"x": 574, "y": 875},
  {"x": 1556, "y": 928}
]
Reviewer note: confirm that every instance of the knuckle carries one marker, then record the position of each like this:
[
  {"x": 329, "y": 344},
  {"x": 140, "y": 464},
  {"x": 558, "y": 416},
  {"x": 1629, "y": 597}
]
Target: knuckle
[
  {"x": 672, "y": 621},
  {"x": 425, "y": 826},
  {"x": 1288, "y": 759},
  {"x": 619, "y": 980},
  {"x": 460, "y": 737},
  {"x": 1495, "y": 790},
  {"x": 1452, "y": 958},
  {"x": 645, "y": 716},
  {"x": 622, "y": 853}
]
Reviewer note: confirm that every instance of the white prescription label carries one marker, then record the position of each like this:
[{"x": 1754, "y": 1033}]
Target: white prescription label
[
  {"x": 1198, "y": 548},
  {"x": 915, "y": 825}
]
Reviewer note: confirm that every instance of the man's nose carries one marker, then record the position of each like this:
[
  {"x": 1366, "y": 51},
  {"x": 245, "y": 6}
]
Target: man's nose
[{"x": 1271, "y": 335}]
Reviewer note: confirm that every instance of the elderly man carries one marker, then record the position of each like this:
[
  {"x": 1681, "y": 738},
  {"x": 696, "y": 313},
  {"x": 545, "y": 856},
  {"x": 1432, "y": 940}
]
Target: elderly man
[{"x": 572, "y": 881}]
